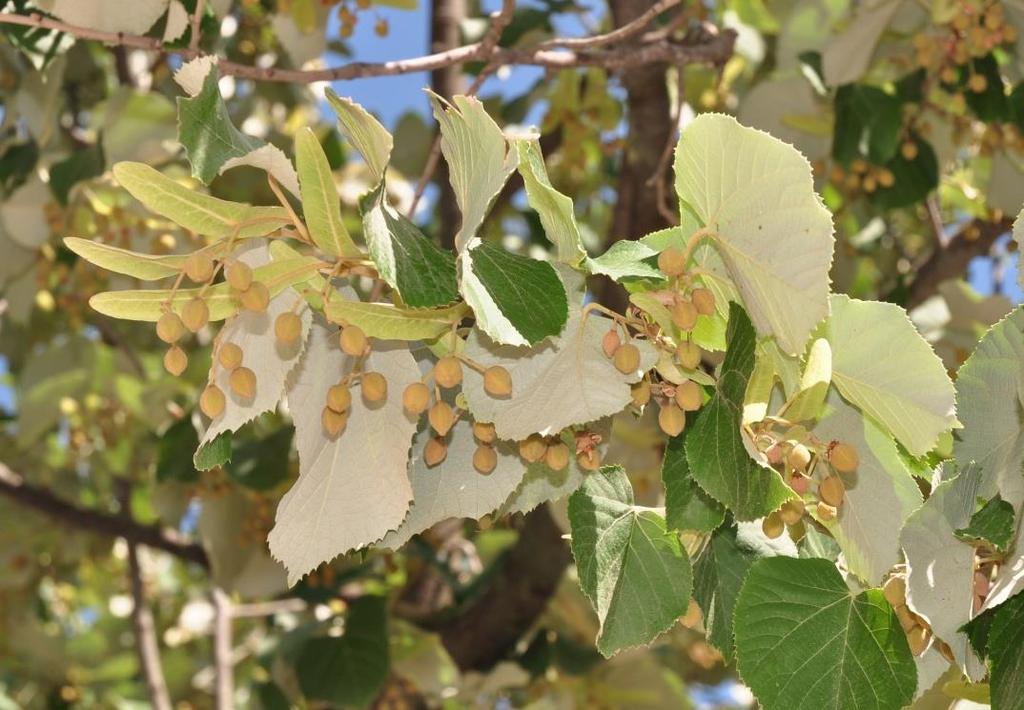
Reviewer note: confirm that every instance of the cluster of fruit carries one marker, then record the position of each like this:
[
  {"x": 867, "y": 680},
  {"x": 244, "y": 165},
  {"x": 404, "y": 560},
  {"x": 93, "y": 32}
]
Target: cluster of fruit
[
  {"x": 917, "y": 629},
  {"x": 797, "y": 455},
  {"x": 864, "y": 177},
  {"x": 373, "y": 386},
  {"x": 972, "y": 32},
  {"x": 349, "y": 18},
  {"x": 554, "y": 453}
]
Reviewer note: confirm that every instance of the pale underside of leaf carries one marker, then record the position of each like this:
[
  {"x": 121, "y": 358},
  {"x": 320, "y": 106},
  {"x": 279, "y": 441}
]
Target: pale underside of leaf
[
  {"x": 555, "y": 210},
  {"x": 365, "y": 133},
  {"x": 320, "y": 202}
]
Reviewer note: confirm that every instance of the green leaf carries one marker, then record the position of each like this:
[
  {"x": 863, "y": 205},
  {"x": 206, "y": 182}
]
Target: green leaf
[
  {"x": 517, "y": 300},
  {"x": 554, "y": 209},
  {"x": 992, "y": 524},
  {"x": 262, "y": 463},
  {"x": 715, "y": 450},
  {"x": 478, "y": 157},
  {"x": 320, "y": 203},
  {"x": 145, "y": 267},
  {"x": 718, "y": 575},
  {"x": 202, "y": 214},
  {"x": 1006, "y": 650},
  {"x": 803, "y": 640},
  {"x": 991, "y": 104},
  {"x": 868, "y": 116},
  {"x": 808, "y": 402},
  {"x": 881, "y": 364},
  {"x": 350, "y": 669},
  {"x": 364, "y": 132},
  {"x": 381, "y": 320},
  {"x": 912, "y": 179},
  {"x": 687, "y": 506},
  {"x": 83, "y": 164},
  {"x": 171, "y": 465},
  {"x": 753, "y": 196},
  {"x": 626, "y": 259},
  {"x": 848, "y": 54},
  {"x": 422, "y": 273},
  {"x": 207, "y": 133},
  {"x": 632, "y": 568},
  {"x": 148, "y": 304},
  {"x": 212, "y": 453}
]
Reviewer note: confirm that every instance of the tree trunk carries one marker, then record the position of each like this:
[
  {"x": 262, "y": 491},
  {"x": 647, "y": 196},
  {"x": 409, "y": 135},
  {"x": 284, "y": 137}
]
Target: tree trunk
[{"x": 446, "y": 18}]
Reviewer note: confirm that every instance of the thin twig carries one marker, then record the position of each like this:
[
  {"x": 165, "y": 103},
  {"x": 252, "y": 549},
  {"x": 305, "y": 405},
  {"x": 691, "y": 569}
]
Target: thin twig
[
  {"x": 291, "y": 605},
  {"x": 617, "y": 35},
  {"x": 223, "y": 663},
  {"x": 706, "y": 49},
  {"x": 197, "y": 18}
]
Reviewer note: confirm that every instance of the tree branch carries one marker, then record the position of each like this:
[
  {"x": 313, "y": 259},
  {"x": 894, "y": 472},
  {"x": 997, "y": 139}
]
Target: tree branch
[
  {"x": 197, "y": 19},
  {"x": 706, "y": 47},
  {"x": 43, "y": 501},
  {"x": 223, "y": 660}
]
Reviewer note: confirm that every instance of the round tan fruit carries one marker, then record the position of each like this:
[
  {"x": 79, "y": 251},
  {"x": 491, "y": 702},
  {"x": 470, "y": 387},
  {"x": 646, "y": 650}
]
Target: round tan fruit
[
  {"x": 243, "y": 382},
  {"x": 332, "y": 421},
  {"x": 826, "y": 512},
  {"x": 353, "y": 340},
  {"x": 798, "y": 457},
  {"x": 703, "y": 301},
  {"x": 339, "y": 398},
  {"x": 672, "y": 262},
  {"x": 689, "y": 396},
  {"x": 212, "y": 401},
  {"x": 448, "y": 372},
  {"x": 374, "y": 386},
  {"x": 792, "y": 512},
  {"x": 772, "y": 526},
  {"x": 416, "y": 398},
  {"x": 688, "y": 354},
  {"x": 533, "y": 448},
  {"x": 287, "y": 327},
  {"x": 497, "y": 381},
  {"x": 799, "y": 483},
  {"x": 256, "y": 298},
  {"x": 641, "y": 392},
  {"x": 441, "y": 418},
  {"x": 175, "y": 360},
  {"x": 484, "y": 432},
  {"x": 611, "y": 342},
  {"x": 844, "y": 458},
  {"x": 195, "y": 314},
  {"x": 484, "y": 459},
  {"x": 198, "y": 267},
  {"x": 684, "y": 315},
  {"x": 238, "y": 275},
  {"x": 589, "y": 460},
  {"x": 229, "y": 356},
  {"x": 557, "y": 456},
  {"x": 671, "y": 419},
  {"x": 435, "y": 451},
  {"x": 831, "y": 491},
  {"x": 627, "y": 359},
  {"x": 170, "y": 328}
]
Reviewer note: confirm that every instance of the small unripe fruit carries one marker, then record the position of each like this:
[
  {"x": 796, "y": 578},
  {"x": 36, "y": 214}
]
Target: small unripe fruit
[
  {"x": 374, "y": 386},
  {"x": 918, "y": 638},
  {"x": 799, "y": 484},
  {"x": 908, "y": 150},
  {"x": 641, "y": 392},
  {"x": 170, "y": 328},
  {"x": 895, "y": 591},
  {"x": 775, "y": 454},
  {"x": 831, "y": 491},
  {"x": 238, "y": 274},
  {"x": 230, "y": 356},
  {"x": 416, "y": 398},
  {"x": 977, "y": 83},
  {"x": 441, "y": 418},
  {"x": 703, "y": 301},
  {"x": 243, "y": 382},
  {"x": 175, "y": 360},
  {"x": 332, "y": 421},
  {"x": 484, "y": 459},
  {"x": 672, "y": 261},
  {"x": 689, "y": 396},
  {"x": 589, "y": 460},
  {"x": 798, "y": 457},
  {"x": 627, "y": 359},
  {"x": 772, "y": 525},
  {"x": 556, "y": 457},
  {"x": 497, "y": 381},
  {"x": 484, "y": 432},
  {"x": 844, "y": 458},
  {"x": 195, "y": 314},
  {"x": 611, "y": 342},
  {"x": 287, "y": 327},
  {"x": 688, "y": 354},
  {"x": 792, "y": 512},
  {"x": 212, "y": 401},
  {"x": 435, "y": 451},
  {"x": 533, "y": 448},
  {"x": 448, "y": 372},
  {"x": 826, "y": 512},
  {"x": 353, "y": 340},
  {"x": 339, "y": 398},
  {"x": 256, "y": 298},
  {"x": 671, "y": 419},
  {"x": 684, "y": 315},
  {"x": 886, "y": 178},
  {"x": 198, "y": 267}
]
